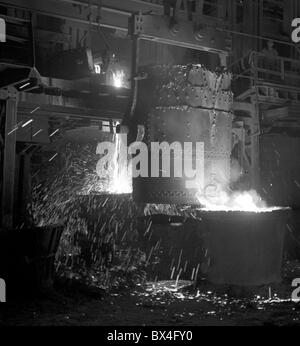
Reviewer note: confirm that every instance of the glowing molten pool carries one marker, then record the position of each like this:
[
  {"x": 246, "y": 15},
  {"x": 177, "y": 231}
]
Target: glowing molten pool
[{"x": 246, "y": 201}]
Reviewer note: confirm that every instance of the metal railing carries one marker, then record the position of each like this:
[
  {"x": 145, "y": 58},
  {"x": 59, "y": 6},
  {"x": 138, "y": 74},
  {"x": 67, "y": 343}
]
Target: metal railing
[
  {"x": 276, "y": 69},
  {"x": 256, "y": 68},
  {"x": 242, "y": 66}
]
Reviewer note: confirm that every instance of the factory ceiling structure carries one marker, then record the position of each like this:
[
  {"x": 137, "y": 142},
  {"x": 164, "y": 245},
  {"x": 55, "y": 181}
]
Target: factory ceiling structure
[{"x": 71, "y": 64}]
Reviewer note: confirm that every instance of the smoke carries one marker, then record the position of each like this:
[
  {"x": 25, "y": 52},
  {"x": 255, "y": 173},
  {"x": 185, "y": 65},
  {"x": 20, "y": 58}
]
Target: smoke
[{"x": 235, "y": 171}]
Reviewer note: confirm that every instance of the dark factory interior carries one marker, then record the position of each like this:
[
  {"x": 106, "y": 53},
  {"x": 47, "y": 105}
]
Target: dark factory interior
[{"x": 149, "y": 163}]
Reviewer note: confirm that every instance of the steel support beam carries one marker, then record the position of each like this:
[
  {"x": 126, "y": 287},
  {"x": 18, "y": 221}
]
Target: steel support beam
[
  {"x": 23, "y": 187},
  {"x": 115, "y": 14},
  {"x": 65, "y": 112},
  {"x": 9, "y": 165},
  {"x": 131, "y": 6},
  {"x": 157, "y": 29},
  {"x": 112, "y": 13},
  {"x": 65, "y": 107},
  {"x": 69, "y": 10}
]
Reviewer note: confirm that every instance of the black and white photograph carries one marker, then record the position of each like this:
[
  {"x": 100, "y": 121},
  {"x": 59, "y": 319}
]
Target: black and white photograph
[{"x": 149, "y": 166}]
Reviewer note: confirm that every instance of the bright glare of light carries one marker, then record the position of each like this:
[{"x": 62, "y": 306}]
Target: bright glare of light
[
  {"x": 121, "y": 180},
  {"x": 97, "y": 68},
  {"x": 118, "y": 78},
  {"x": 248, "y": 201}
]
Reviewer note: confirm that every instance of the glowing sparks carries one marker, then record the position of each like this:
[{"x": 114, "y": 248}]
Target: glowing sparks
[
  {"x": 24, "y": 85},
  {"x": 34, "y": 110},
  {"x": 35, "y": 134},
  {"x": 13, "y": 130},
  {"x": 53, "y": 133},
  {"x": 248, "y": 201},
  {"x": 53, "y": 157},
  {"x": 27, "y": 123}
]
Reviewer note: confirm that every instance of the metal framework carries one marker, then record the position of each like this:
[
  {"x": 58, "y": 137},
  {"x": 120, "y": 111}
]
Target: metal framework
[
  {"x": 204, "y": 32},
  {"x": 186, "y": 34},
  {"x": 9, "y": 159},
  {"x": 110, "y": 13}
]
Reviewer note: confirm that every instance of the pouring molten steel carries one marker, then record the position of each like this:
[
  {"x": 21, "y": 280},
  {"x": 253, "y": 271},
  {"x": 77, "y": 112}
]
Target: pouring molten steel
[{"x": 120, "y": 182}]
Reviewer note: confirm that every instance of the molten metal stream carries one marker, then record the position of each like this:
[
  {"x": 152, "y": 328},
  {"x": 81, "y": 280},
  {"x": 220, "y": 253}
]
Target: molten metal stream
[{"x": 121, "y": 180}]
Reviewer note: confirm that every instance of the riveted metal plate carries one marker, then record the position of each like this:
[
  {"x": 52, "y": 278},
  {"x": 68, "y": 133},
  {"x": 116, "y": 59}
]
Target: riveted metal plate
[{"x": 184, "y": 110}]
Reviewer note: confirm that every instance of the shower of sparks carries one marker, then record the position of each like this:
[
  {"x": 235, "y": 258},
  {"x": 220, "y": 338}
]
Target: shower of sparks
[
  {"x": 27, "y": 123},
  {"x": 35, "y": 134},
  {"x": 35, "y": 109},
  {"x": 24, "y": 85},
  {"x": 168, "y": 286},
  {"x": 53, "y": 133},
  {"x": 100, "y": 248},
  {"x": 73, "y": 194},
  {"x": 13, "y": 130},
  {"x": 202, "y": 302},
  {"x": 53, "y": 157},
  {"x": 16, "y": 127}
]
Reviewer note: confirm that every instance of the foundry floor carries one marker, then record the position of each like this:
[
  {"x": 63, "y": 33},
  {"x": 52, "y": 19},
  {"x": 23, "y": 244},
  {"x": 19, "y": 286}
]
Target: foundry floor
[{"x": 157, "y": 306}]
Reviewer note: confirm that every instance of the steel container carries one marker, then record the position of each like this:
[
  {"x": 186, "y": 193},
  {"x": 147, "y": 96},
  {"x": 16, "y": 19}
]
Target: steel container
[
  {"x": 185, "y": 104},
  {"x": 245, "y": 249}
]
